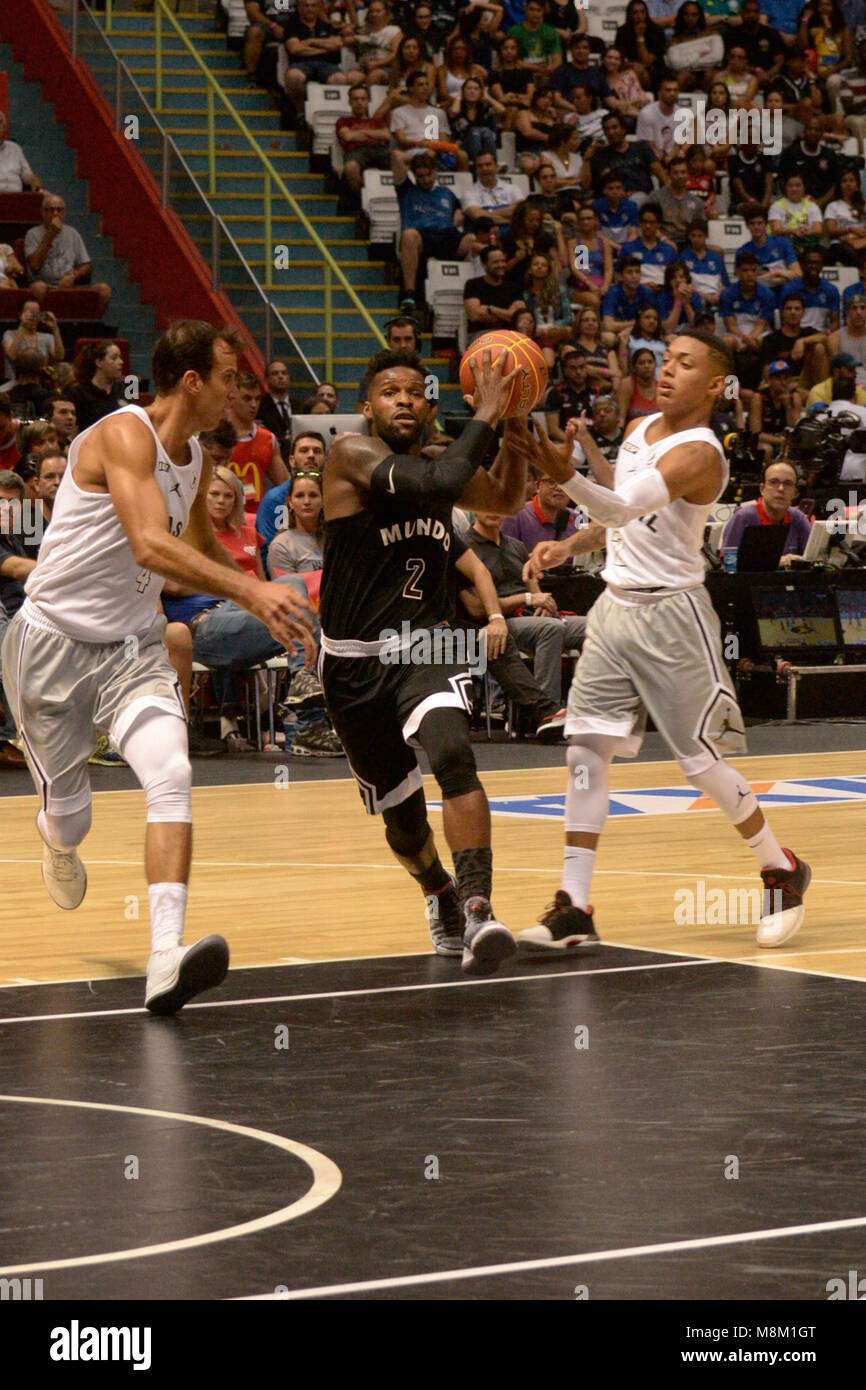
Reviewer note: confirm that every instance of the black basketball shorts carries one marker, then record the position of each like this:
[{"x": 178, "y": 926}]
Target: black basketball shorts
[{"x": 377, "y": 709}]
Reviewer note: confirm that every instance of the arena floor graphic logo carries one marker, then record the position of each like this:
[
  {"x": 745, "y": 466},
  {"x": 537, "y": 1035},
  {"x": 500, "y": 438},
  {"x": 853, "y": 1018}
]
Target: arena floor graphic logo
[{"x": 669, "y": 801}]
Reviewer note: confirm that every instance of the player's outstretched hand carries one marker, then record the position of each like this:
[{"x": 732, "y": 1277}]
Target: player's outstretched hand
[
  {"x": 288, "y": 617},
  {"x": 492, "y": 386},
  {"x": 555, "y": 459},
  {"x": 546, "y": 556},
  {"x": 519, "y": 441}
]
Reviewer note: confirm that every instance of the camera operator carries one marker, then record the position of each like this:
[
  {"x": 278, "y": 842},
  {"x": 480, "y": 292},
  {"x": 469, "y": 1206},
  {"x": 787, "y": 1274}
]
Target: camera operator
[
  {"x": 774, "y": 408},
  {"x": 774, "y": 507}
]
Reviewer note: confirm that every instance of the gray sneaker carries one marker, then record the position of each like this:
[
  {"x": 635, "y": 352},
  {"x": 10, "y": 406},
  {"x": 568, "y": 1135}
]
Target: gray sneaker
[
  {"x": 316, "y": 741},
  {"x": 487, "y": 942},
  {"x": 445, "y": 919},
  {"x": 304, "y": 690}
]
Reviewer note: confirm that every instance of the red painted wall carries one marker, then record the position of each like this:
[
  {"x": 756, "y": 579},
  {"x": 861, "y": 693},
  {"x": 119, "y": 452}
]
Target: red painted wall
[{"x": 161, "y": 255}]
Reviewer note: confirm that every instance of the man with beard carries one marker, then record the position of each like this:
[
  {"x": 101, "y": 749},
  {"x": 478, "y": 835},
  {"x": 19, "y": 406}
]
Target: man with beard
[{"x": 388, "y": 592}]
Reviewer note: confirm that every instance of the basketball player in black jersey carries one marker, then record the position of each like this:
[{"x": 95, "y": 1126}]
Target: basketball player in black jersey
[{"x": 387, "y": 563}]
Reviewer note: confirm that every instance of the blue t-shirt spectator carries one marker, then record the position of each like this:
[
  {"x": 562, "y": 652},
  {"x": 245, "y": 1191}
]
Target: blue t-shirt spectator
[
  {"x": 429, "y": 209},
  {"x": 859, "y": 287},
  {"x": 776, "y": 254},
  {"x": 617, "y": 304},
  {"x": 665, "y": 302},
  {"x": 734, "y": 304},
  {"x": 820, "y": 303},
  {"x": 616, "y": 225},
  {"x": 708, "y": 272},
  {"x": 567, "y": 77},
  {"x": 267, "y": 516},
  {"x": 653, "y": 259},
  {"x": 783, "y": 15}
]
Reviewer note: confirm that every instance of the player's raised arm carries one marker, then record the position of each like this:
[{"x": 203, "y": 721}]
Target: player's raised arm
[
  {"x": 369, "y": 465},
  {"x": 120, "y": 457},
  {"x": 692, "y": 471}
]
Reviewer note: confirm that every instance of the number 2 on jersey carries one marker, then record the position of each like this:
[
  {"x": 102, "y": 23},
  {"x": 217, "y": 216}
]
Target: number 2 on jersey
[{"x": 416, "y": 569}]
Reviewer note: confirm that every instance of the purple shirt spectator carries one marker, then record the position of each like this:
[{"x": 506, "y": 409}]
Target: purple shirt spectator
[
  {"x": 754, "y": 514},
  {"x": 531, "y": 526}
]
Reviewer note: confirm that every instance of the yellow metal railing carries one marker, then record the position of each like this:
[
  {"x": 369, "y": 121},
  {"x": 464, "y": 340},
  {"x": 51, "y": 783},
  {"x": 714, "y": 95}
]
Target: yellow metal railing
[{"x": 272, "y": 177}]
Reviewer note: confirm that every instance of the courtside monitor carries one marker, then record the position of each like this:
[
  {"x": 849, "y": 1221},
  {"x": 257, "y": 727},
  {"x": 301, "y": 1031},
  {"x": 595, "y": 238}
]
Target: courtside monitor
[
  {"x": 795, "y": 619},
  {"x": 825, "y": 533},
  {"x": 852, "y": 616},
  {"x": 329, "y": 426},
  {"x": 760, "y": 548}
]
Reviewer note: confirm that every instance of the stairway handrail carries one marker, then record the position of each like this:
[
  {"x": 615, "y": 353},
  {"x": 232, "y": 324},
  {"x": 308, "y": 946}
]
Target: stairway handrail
[{"x": 161, "y": 11}]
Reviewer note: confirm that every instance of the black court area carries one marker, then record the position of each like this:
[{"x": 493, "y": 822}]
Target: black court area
[{"x": 630, "y": 1126}]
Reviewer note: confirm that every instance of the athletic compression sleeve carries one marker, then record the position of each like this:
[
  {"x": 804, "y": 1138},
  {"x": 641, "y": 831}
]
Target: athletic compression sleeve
[
  {"x": 645, "y": 492},
  {"x": 408, "y": 475}
]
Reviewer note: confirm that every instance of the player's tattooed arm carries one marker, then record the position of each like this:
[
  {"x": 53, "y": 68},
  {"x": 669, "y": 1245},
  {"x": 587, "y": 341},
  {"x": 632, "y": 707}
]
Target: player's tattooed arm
[
  {"x": 120, "y": 459},
  {"x": 358, "y": 464},
  {"x": 502, "y": 488}
]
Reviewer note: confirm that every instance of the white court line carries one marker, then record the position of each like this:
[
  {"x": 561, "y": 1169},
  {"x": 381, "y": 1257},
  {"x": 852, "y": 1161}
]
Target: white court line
[
  {"x": 327, "y": 1180},
  {"x": 677, "y": 877},
  {"x": 529, "y": 977},
  {"x": 628, "y": 1252},
  {"x": 762, "y": 962}
]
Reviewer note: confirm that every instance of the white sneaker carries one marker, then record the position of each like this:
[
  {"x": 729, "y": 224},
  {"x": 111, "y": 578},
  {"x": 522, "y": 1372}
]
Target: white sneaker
[
  {"x": 175, "y": 975},
  {"x": 64, "y": 876}
]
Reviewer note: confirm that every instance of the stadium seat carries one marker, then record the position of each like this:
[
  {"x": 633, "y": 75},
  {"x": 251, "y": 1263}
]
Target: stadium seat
[
  {"x": 79, "y": 305},
  {"x": 443, "y": 291},
  {"x": 323, "y": 106},
  {"x": 603, "y": 27},
  {"x": 729, "y": 233},
  {"x": 10, "y": 303},
  {"x": 508, "y": 148},
  {"x": 379, "y": 202},
  {"x": 841, "y": 276}
]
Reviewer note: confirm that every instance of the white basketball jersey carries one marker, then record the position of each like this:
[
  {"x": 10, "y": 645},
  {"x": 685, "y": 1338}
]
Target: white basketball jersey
[
  {"x": 662, "y": 550},
  {"x": 87, "y": 583}
]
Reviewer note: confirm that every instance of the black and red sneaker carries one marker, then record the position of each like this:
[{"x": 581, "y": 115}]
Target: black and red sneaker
[
  {"x": 563, "y": 929},
  {"x": 782, "y": 912},
  {"x": 551, "y": 726}
]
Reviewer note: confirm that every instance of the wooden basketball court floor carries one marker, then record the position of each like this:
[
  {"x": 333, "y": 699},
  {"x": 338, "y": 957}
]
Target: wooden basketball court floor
[{"x": 679, "y": 1116}]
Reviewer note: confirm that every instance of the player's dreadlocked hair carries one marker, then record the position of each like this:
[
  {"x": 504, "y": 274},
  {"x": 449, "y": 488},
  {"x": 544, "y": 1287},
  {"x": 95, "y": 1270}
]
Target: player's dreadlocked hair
[
  {"x": 387, "y": 358},
  {"x": 717, "y": 349}
]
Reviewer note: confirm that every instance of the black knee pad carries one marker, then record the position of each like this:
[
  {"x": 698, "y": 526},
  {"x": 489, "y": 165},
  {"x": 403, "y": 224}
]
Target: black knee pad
[
  {"x": 406, "y": 827},
  {"x": 444, "y": 736}
]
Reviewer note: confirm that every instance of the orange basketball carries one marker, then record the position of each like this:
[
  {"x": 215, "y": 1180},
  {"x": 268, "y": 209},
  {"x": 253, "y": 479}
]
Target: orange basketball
[{"x": 530, "y": 384}]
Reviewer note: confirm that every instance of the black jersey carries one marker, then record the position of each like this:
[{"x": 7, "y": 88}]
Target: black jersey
[{"x": 385, "y": 565}]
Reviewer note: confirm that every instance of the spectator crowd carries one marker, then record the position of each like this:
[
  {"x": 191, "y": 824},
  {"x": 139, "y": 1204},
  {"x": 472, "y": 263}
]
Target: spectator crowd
[{"x": 612, "y": 250}]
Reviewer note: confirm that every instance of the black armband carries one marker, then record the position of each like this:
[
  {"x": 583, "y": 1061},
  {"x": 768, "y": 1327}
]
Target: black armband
[{"x": 447, "y": 476}]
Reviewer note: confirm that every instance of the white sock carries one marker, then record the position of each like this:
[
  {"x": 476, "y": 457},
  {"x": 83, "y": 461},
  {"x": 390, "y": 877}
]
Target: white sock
[
  {"x": 227, "y": 726},
  {"x": 767, "y": 850},
  {"x": 167, "y": 911},
  {"x": 577, "y": 874}
]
